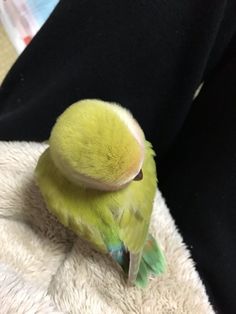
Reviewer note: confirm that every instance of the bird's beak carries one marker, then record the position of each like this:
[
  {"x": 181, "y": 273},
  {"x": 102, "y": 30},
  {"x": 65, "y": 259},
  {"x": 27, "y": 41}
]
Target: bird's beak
[{"x": 139, "y": 176}]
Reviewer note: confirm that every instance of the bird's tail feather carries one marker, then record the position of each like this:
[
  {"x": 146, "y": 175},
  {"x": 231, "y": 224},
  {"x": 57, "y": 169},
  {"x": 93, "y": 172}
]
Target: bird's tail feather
[
  {"x": 136, "y": 267},
  {"x": 152, "y": 262}
]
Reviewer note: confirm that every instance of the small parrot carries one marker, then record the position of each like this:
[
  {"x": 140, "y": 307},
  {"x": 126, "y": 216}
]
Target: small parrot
[{"x": 98, "y": 177}]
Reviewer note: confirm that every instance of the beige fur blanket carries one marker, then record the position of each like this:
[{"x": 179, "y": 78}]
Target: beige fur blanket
[{"x": 45, "y": 268}]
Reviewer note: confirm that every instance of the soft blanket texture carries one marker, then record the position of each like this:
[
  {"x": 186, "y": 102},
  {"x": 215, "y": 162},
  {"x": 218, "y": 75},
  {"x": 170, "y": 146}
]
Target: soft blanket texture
[{"x": 45, "y": 268}]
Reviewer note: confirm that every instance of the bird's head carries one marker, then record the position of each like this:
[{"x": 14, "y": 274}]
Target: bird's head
[{"x": 98, "y": 145}]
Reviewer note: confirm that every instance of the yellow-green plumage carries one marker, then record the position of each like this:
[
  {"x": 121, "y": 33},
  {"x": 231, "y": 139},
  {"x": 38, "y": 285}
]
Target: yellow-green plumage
[
  {"x": 104, "y": 218},
  {"x": 98, "y": 144}
]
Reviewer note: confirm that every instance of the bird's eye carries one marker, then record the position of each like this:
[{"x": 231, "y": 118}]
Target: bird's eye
[{"x": 139, "y": 176}]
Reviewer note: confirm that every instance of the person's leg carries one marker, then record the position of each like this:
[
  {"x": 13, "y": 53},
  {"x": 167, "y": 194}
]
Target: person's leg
[
  {"x": 148, "y": 55},
  {"x": 198, "y": 180}
]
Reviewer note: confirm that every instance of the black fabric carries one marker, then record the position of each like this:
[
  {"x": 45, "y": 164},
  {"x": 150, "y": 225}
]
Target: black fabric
[
  {"x": 150, "y": 56},
  {"x": 198, "y": 180}
]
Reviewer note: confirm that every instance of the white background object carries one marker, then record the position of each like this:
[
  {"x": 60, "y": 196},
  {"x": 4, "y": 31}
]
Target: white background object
[{"x": 23, "y": 18}]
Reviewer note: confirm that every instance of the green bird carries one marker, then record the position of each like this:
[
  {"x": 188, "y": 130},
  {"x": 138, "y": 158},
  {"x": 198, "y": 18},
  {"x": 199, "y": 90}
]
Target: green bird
[{"x": 98, "y": 177}]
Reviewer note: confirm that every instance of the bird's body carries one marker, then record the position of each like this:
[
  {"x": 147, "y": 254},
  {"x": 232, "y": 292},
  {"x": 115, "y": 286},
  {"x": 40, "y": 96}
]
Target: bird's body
[{"x": 114, "y": 221}]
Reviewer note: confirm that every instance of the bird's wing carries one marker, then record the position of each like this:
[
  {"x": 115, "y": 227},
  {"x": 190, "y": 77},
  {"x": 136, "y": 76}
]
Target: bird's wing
[
  {"x": 67, "y": 203},
  {"x": 135, "y": 220}
]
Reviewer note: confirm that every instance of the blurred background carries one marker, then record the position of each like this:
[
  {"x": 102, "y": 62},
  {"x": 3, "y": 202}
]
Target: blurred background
[
  {"x": 8, "y": 53},
  {"x": 20, "y": 20}
]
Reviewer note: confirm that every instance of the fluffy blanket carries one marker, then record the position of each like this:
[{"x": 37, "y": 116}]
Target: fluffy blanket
[{"x": 45, "y": 268}]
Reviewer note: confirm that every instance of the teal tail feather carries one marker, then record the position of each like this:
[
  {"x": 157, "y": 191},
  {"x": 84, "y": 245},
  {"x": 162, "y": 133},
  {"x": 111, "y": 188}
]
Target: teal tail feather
[
  {"x": 152, "y": 262},
  {"x": 120, "y": 255}
]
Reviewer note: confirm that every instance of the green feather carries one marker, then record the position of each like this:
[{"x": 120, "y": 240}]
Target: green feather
[
  {"x": 153, "y": 257},
  {"x": 142, "y": 277},
  {"x": 152, "y": 262}
]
